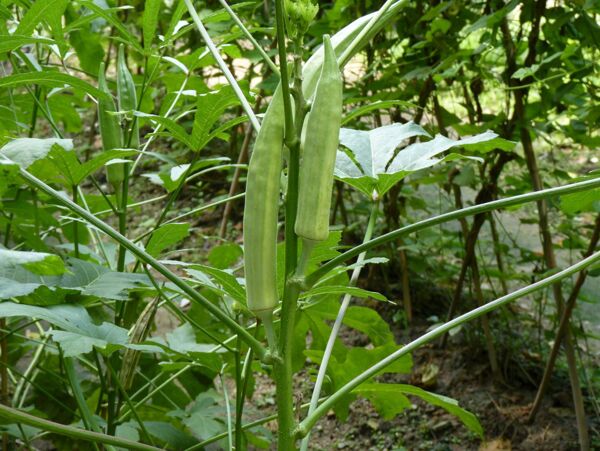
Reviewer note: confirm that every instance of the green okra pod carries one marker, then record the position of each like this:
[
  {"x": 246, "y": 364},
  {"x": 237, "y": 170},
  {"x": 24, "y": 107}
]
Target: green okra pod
[
  {"x": 320, "y": 146},
  {"x": 261, "y": 211}
]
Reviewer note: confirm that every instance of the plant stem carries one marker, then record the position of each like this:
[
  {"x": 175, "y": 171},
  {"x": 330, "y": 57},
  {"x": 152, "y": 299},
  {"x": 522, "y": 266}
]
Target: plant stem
[
  {"x": 122, "y": 207},
  {"x": 290, "y": 136},
  {"x": 86, "y": 415},
  {"x": 283, "y": 371},
  {"x": 307, "y": 424},
  {"x": 312, "y": 278},
  {"x": 338, "y": 323},
  {"x": 16, "y": 416},
  {"x": 75, "y": 226}
]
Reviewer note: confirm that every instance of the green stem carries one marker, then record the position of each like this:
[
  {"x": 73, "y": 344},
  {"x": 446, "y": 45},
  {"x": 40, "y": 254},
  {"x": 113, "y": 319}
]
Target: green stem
[
  {"x": 338, "y": 323},
  {"x": 246, "y": 374},
  {"x": 307, "y": 424},
  {"x": 290, "y": 135},
  {"x": 127, "y": 399},
  {"x": 258, "y": 348},
  {"x": 75, "y": 227},
  {"x": 250, "y": 425},
  {"x": 266, "y": 318},
  {"x": 283, "y": 370},
  {"x": 16, "y": 416},
  {"x": 314, "y": 277},
  {"x": 122, "y": 206},
  {"x": 86, "y": 415}
]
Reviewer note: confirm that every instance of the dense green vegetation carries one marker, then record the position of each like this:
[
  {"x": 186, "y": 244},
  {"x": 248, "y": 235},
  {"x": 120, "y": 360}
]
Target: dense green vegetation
[{"x": 146, "y": 304}]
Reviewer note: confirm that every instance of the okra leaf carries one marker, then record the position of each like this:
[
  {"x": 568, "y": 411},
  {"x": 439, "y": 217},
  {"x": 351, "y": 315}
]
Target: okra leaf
[
  {"x": 115, "y": 285},
  {"x": 79, "y": 333},
  {"x": 9, "y": 175},
  {"x": 225, "y": 255},
  {"x": 150, "y": 21},
  {"x": 10, "y": 42},
  {"x": 105, "y": 13},
  {"x": 209, "y": 109},
  {"x": 40, "y": 10},
  {"x": 389, "y": 399},
  {"x": 340, "y": 289},
  {"x": 26, "y": 151},
  {"x": 355, "y": 361},
  {"x": 43, "y": 279},
  {"x": 51, "y": 79},
  {"x": 165, "y": 236},
  {"x": 220, "y": 281},
  {"x": 374, "y": 164},
  {"x": 62, "y": 166}
]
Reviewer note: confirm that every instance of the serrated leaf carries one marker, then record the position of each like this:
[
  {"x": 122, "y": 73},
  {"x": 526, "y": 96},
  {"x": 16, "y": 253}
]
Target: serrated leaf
[
  {"x": 79, "y": 334},
  {"x": 114, "y": 21},
  {"x": 382, "y": 394},
  {"x": 203, "y": 418},
  {"x": 115, "y": 285},
  {"x": 150, "y": 21},
  {"x": 219, "y": 280},
  {"x": 10, "y": 42},
  {"x": 51, "y": 79},
  {"x": 40, "y": 10},
  {"x": 166, "y": 236},
  {"x": 341, "y": 289},
  {"x": 209, "y": 109}
]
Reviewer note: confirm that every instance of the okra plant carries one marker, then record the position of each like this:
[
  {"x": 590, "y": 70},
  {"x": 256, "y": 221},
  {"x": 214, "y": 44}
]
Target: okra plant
[{"x": 85, "y": 284}]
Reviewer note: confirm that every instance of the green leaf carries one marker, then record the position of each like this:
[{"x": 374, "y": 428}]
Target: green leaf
[
  {"x": 166, "y": 236},
  {"x": 209, "y": 109},
  {"x": 23, "y": 273},
  {"x": 225, "y": 255},
  {"x": 40, "y": 10},
  {"x": 362, "y": 319},
  {"x": 150, "y": 21},
  {"x": 342, "y": 369},
  {"x": 38, "y": 263},
  {"x": 583, "y": 201},
  {"x": 115, "y": 22},
  {"x": 9, "y": 175},
  {"x": 169, "y": 434},
  {"x": 26, "y": 151},
  {"x": 342, "y": 289},
  {"x": 10, "y": 42},
  {"x": 62, "y": 166},
  {"x": 115, "y": 285},
  {"x": 382, "y": 395},
  {"x": 222, "y": 282},
  {"x": 79, "y": 334},
  {"x": 51, "y": 79},
  {"x": 374, "y": 163},
  {"x": 203, "y": 417}
]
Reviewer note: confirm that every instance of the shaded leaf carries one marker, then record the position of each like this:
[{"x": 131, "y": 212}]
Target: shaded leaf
[
  {"x": 165, "y": 236},
  {"x": 381, "y": 394}
]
